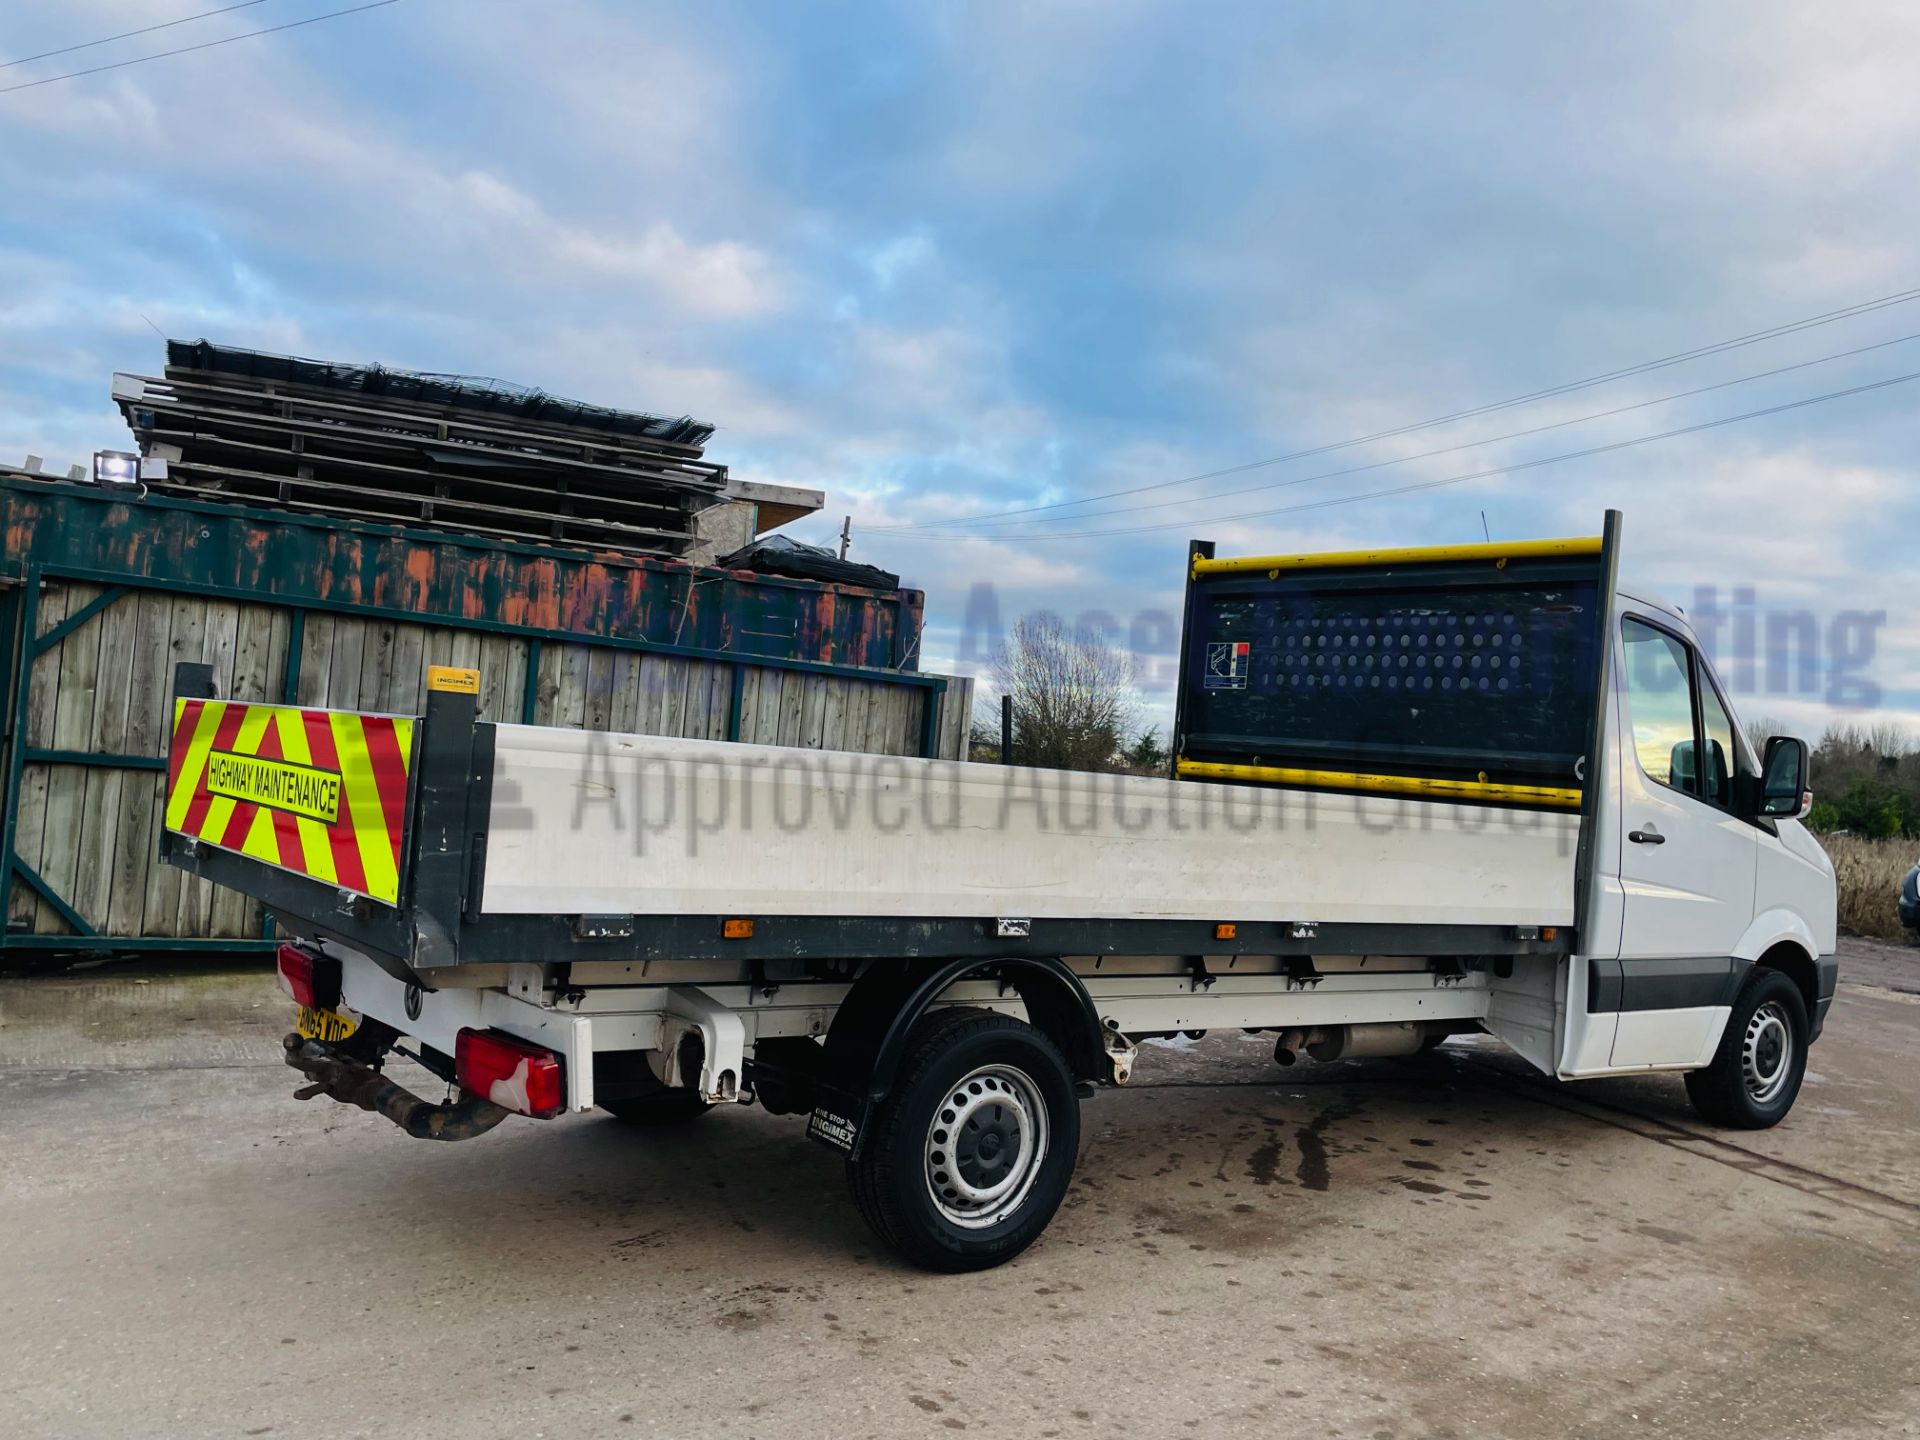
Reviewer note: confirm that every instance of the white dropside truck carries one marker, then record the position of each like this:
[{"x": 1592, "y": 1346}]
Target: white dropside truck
[{"x": 1415, "y": 793}]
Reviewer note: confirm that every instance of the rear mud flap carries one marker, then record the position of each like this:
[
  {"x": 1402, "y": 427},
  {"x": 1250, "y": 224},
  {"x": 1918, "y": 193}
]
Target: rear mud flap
[{"x": 833, "y": 1128}]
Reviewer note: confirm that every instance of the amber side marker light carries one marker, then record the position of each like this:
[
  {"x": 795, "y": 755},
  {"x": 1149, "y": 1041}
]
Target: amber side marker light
[
  {"x": 1226, "y": 930},
  {"x": 736, "y": 929}
]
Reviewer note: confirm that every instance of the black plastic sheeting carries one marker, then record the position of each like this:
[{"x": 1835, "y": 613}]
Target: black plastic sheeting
[
  {"x": 780, "y": 555},
  {"x": 464, "y": 392}
]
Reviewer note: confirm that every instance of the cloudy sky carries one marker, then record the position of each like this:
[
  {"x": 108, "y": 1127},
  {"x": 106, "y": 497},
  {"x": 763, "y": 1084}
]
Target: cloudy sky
[{"x": 950, "y": 260}]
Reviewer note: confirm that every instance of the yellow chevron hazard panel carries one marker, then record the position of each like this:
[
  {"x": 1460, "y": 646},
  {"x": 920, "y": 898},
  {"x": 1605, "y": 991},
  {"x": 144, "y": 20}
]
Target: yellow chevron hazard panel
[{"x": 322, "y": 793}]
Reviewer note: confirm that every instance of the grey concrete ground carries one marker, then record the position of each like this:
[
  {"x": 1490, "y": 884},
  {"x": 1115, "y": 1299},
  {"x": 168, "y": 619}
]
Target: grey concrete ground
[{"x": 1389, "y": 1249}]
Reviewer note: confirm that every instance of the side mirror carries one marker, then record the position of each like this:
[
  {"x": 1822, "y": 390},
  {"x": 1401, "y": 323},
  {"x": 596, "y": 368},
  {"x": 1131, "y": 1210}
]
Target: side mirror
[{"x": 1785, "y": 792}]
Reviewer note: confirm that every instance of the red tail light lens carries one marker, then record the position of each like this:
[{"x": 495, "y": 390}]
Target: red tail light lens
[
  {"x": 512, "y": 1073},
  {"x": 309, "y": 979}
]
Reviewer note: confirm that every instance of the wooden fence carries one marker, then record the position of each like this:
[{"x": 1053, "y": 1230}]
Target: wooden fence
[{"x": 88, "y": 806}]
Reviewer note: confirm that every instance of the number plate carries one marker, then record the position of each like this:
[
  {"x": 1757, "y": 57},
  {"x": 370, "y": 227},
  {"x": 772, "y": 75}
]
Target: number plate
[{"x": 328, "y": 1026}]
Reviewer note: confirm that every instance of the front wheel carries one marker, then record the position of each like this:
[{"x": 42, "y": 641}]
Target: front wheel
[
  {"x": 1755, "y": 1075},
  {"x": 967, "y": 1160}
]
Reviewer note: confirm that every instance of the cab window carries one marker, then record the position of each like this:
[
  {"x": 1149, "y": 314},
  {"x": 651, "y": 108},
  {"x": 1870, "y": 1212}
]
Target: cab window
[
  {"x": 1682, "y": 733},
  {"x": 1660, "y": 704},
  {"x": 1716, "y": 775}
]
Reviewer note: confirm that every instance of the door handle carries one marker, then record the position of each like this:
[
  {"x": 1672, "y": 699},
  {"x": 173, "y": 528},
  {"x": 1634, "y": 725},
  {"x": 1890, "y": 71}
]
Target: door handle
[{"x": 1646, "y": 837}]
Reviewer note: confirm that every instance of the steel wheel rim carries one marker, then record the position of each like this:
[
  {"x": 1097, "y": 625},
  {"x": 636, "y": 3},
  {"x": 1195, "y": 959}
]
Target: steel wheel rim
[
  {"x": 985, "y": 1146},
  {"x": 1766, "y": 1053}
]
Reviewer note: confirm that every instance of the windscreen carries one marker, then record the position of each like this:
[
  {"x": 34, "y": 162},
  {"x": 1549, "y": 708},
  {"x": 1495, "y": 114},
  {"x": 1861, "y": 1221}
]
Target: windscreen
[{"x": 1444, "y": 673}]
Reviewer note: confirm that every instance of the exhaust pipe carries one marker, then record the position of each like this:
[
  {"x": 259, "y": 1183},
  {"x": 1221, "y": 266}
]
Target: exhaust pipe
[
  {"x": 1352, "y": 1042},
  {"x": 352, "y": 1083},
  {"x": 1367, "y": 1042}
]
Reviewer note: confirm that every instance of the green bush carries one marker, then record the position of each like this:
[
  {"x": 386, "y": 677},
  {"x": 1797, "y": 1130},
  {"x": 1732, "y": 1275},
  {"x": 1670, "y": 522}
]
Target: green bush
[
  {"x": 1868, "y": 784},
  {"x": 1876, "y": 810}
]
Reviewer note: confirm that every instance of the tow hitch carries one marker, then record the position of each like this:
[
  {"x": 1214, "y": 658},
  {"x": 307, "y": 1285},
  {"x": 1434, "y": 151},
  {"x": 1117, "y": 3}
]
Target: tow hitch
[{"x": 353, "y": 1081}]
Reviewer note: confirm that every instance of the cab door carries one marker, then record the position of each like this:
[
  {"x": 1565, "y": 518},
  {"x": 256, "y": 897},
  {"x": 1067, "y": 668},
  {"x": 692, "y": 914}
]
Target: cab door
[{"x": 1687, "y": 861}]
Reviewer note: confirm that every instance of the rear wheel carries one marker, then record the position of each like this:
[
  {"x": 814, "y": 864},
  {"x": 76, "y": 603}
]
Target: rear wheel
[
  {"x": 967, "y": 1160},
  {"x": 1755, "y": 1075}
]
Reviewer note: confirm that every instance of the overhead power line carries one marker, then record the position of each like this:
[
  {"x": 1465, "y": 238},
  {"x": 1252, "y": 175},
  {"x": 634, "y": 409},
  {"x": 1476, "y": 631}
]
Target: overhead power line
[
  {"x": 1791, "y": 327},
  {"x": 204, "y": 45},
  {"x": 129, "y": 34},
  {"x": 1430, "y": 454},
  {"x": 1488, "y": 473}
]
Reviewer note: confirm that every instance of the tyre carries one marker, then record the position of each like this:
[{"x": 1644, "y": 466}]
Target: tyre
[
  {"x": 658, "y": 1106},
  {"x": 1755, "y": 1076},
  {"x": 968, "y": 1158}
]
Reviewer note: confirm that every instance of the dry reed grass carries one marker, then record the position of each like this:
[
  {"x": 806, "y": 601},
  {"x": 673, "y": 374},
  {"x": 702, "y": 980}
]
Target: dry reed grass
[{"x": 1868, "y": 873}]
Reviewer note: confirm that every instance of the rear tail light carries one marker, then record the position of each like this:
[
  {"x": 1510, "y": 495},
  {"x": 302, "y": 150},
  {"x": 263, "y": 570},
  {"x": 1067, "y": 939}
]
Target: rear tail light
[
  {"x": 309, "y": 979},
  {"x": 512, "y": 1073}
]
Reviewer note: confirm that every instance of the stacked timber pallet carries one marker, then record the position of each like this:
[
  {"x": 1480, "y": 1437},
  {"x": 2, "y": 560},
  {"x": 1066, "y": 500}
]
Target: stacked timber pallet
[{"x": 442, "y": 451}]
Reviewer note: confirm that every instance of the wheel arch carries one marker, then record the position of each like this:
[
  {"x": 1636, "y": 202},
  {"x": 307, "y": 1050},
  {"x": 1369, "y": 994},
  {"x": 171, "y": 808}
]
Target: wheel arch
[
  {"x": 1772, "y": 930},
  {"x": 1793, "y": 960},
  {"x": 868, "y": 1037}
]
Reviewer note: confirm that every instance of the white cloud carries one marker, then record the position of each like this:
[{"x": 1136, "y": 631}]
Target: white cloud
[
  {"x": 324, "y": 181},
  {"x": 723, "y": 278},
  {"x": 1813, "y": 90},
  {"x": 1840, "y": 267},
  {"x": 899, "y": 255}
]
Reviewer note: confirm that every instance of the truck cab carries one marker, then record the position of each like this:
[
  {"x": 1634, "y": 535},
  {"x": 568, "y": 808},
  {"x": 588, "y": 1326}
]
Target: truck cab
[{"x": 1705, "y": 868}]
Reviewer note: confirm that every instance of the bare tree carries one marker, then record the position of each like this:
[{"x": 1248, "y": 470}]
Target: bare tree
[
  {"x": 1073, "y": 700},
  {"x": 1762, "y": 728},
  {"x": 1889, "y": 739}
]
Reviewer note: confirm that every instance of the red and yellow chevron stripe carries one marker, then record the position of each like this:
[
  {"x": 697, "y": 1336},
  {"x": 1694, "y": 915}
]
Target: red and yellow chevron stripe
[{"x": 317, "y": 792}]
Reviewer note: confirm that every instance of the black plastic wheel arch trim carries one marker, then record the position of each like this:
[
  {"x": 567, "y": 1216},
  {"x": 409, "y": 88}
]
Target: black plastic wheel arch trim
[{"x": 867, "y": 1041}]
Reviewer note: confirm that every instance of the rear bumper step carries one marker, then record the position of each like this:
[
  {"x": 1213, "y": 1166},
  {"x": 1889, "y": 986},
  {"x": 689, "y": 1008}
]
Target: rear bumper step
[{"x": 353, "y": 1083}]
